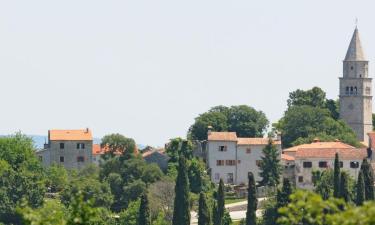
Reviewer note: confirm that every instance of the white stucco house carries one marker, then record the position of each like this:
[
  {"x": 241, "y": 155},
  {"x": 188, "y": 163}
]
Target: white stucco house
[{"x": 231, "y": 158}]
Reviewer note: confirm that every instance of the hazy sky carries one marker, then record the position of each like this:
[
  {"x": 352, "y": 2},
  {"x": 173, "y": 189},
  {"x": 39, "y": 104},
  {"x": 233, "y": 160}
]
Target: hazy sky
[{"x": 146, "y": 69}]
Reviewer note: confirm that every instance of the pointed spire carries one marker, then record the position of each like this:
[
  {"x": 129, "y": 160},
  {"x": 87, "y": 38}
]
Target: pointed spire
[{"x": 355, "y": 52}]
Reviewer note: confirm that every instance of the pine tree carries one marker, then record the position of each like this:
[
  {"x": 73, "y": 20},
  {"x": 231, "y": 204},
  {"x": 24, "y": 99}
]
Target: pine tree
[
  {"x": 344, "y": 187},
  {"x": 181, "y": 211},
  {"x": 252, "y": 201},
  {"x": 203, "y": 212},
  {"x": 368, "y": 178},
  {"x": 270, "y": 165},
  {"x": 144, "y": 211},
  {"x": 360, "y": 189},
  {"x": 220, "y": 202},
  {"x": 336, "y": 177}
]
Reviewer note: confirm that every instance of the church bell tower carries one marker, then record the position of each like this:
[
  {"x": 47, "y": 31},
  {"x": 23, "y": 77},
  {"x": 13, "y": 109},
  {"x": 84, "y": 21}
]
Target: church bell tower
[{"x": 356, "y": 90}]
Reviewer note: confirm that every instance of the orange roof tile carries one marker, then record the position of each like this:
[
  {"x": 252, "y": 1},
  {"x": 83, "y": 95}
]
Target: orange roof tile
[
  {"x": 332, "y": 144},
  {"x": 70, "y": 135},
  {"x": 161, "y": 151},
  {"x": 222, "y": 136},
  {"x": 329, "y": 153},
  {"x": 98, "y": 150},
  {"x": 287, "y": 157},
  {"x": 255, "y": 141}
]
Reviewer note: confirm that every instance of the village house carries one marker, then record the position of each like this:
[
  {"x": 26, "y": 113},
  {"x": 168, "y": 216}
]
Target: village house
[
  {"x": 231, "y": 158},
  {"x": 157, "y": 156},
  {"x": 69, "y": 148}
]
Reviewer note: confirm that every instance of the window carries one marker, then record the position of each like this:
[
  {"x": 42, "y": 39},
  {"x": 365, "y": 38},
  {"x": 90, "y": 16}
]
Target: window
[
  {"x": 248, "y": 150},
  {"x": 351, "y": 90},
  {"x": 62, "y": 159},
  {"x": 80, "y": 145},
  {"x": 230, "y": 178},
  {"x": 354, "y": 164},
  {"x": 217, "y": 176},
  {"x": 307, "y": 164},
  {"x": 341, "y": 164},
  {"x": 355, "y": 90},
  {"x": 238, "y": 161},
  {"x": 347, "y": 91},
  {"x": 300, "y": 179},
  {"x": 80, "y": 159},
  {"x": 219, "y": 162},
  {"x": 222, "y": 148},
  {"x": 323, "y": 164},
  {"x": 230, "y": 162},
  {"x": 258, "y": 162},
  {"x": 62, "y": 145},
  {"x": 351, "y": 67}
]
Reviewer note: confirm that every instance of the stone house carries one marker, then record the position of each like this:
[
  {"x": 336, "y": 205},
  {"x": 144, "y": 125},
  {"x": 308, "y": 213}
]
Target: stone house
[
  {"x": 70, "y": 148},
  {"x": 231, "y": 158},
  {"x": 157, "y": 156}
]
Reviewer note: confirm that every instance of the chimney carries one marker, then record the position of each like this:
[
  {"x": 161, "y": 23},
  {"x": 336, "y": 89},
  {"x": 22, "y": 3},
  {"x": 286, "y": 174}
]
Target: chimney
[
  {"x": 209, "y": 130},
  {"x": 86, "y": 130}
]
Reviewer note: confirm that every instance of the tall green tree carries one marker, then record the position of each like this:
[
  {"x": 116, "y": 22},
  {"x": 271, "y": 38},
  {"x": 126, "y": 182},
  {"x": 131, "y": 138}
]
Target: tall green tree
[
  {"x": 144, "y": 217},
  {"x": 203, "y": 212},
  {"x": 336, "y": 177},
  {"x": 252, "y": 201},
  {"x": 215, "y": 217},
  {"x": 368, "y": 178},
  {"x": 118, "y": 144},
  {"x": 181, "y": 212},
  {"x": 282, "y": 197},
  {"x": 270, "y": 168},
  {"x": 344, "y": 187},
  {"x": 242, "y": 119},
  {"x": 360, "y": 189},
  {"x": 220, "y": 201}
]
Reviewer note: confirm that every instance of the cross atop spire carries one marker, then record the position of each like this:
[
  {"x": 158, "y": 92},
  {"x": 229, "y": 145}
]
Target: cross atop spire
[{"x": 355, "y": 52}]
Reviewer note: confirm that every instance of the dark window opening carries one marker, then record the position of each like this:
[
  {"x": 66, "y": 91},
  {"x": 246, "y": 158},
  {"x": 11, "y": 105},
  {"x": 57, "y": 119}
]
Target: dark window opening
[
  {"x": 62, "y": 159},
  {"x": 323, "y": 164},
  {"x": 354, "y": 164},
  {"x": 62, "y": 145},
  {"x": 351, "y": 68},
  {"x": 347, "y": 91},
  {"x": 222, "y": 148},
  {"x": 300, "y": 179},
  {"x": 80, "y": 159},
  {"x": 307, "y": 164},
  {"x": 341, "y": 164}
]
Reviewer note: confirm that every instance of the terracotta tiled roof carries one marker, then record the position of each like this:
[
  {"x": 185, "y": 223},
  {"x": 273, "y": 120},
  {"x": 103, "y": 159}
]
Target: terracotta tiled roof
[
  {"x": 372, "y": 139},
  {"x": 332, "y": 144},
  {"x": 97, "y": 150},
  {"x": 70, "y": 135},
  {"x": 222, "y": 136},
  {"x": 329, "y": 153},
  {"x": 287, "y": 157},
  {"x": 161, "y": 151},
  {"x": 255, "y": 141}
]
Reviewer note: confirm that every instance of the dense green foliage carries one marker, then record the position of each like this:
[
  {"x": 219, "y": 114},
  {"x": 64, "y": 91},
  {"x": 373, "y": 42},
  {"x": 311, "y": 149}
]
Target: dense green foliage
[
  {"x": 242, "y": 119},
  {"x": 270, "y": 168},
  {"x": 181, "y": 212},
  {"x": 204, "y": 217},
  {"x": 310, "y": 115},
  {"x": 252, "y": 201},
  {"x": 118, "y": 144},
  {"x": 344, "y": 187},
  {"x": 21, "y": 177},
  {"x": 220, "y": 202}
]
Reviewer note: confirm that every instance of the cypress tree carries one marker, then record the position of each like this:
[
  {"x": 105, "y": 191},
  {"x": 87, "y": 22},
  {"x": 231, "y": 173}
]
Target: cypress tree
[
  {"x": 252, "y": 201},
  {"x": 144, "y": 211},
  {"x": 282, "y": 197},
  {"x": 336, "y": 177},
  {"x": 216, "y": 218},
  {"x": 181, "y": 211},
  {"x": 360, "y": 189},
  {"x": 220, "y": 202},
  {"x": 203, "y": 213},
  {"x": 344, "y": 187},
  {"x": 368, "y": 178}
]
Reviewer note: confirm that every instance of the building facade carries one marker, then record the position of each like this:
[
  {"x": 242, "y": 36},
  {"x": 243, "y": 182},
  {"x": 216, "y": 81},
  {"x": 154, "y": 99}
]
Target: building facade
[
  {"x": 231, "y": 158},
  {"x": 309, "y": 160},
  {"x": 69, "y": 148},
  {"x": 356, "y": 90}
]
